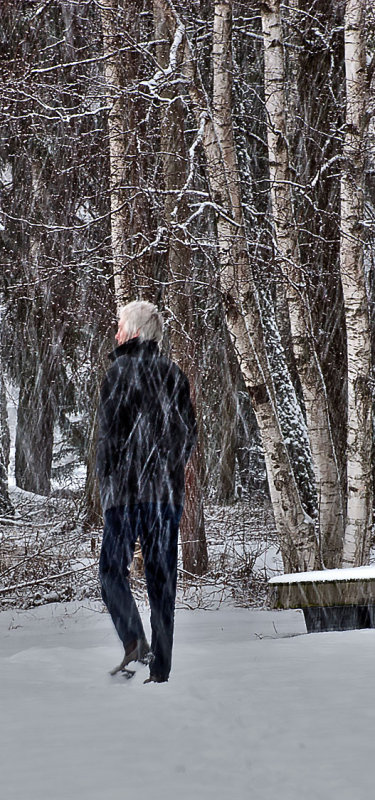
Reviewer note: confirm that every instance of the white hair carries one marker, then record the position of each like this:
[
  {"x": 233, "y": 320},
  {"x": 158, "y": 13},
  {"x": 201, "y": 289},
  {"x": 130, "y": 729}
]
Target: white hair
[{"x": 139, "y": 315}]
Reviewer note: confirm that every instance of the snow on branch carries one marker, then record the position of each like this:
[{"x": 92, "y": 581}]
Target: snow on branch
[{"x": 162, "y": 76}]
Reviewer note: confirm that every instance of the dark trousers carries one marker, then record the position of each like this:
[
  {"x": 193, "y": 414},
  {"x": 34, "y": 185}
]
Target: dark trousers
[{"x": 156, "y": 525}]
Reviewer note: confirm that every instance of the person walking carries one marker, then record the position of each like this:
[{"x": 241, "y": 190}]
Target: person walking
[{"x": 147, "y": 431}]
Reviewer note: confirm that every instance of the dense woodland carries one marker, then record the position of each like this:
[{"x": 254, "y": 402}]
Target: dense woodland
[{"x": 217, "y": 158}]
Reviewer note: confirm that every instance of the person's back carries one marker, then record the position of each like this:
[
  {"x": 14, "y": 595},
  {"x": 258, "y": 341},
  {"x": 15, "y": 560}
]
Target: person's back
[
  {"x": 146, "y": 427},
  {"x": 147, "y": 430}
]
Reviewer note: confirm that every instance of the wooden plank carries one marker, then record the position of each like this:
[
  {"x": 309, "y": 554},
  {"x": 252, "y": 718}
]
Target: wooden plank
[{"x": 327, "y": 593}]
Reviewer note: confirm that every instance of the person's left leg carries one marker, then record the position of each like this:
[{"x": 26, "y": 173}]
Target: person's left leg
[
  {"x": 159, "y": 538},
  {"x": 121, "y": 529}
]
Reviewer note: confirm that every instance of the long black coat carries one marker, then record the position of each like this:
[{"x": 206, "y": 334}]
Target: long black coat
[{"x": 147, "y": 428}]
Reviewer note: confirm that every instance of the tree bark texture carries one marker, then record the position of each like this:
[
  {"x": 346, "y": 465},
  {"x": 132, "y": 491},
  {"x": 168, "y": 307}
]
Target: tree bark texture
[
  {"x": 5, "y": 503},
  {"x": 34, "y": 435},
  {"x": 330, "y": 502},
  {"x": 117, "y": 151},
  {"x": 296, "y": 530},
  {"x": 129, "y": 212},
  {"x": 180, "y": 298},
  {"x": 229, "y": 423},
  {"x": 359, "y": 437},
  {"x": 92, "y": 510},
  {"x": 36, "y": 406}
]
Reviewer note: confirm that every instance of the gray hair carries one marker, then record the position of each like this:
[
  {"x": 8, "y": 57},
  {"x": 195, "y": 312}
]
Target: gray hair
[{"x": 143, "y": 316}]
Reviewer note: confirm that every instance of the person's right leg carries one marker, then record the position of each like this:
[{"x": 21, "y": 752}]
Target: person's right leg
[{"x": 120, "y": 533}]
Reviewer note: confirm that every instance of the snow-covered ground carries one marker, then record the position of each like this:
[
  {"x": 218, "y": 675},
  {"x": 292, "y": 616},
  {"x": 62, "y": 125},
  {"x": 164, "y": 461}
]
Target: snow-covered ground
[{"x": 253, "y": 709}]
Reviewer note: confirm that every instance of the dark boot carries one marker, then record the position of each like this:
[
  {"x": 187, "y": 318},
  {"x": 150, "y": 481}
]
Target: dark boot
[{"x": 155, "y": 679}]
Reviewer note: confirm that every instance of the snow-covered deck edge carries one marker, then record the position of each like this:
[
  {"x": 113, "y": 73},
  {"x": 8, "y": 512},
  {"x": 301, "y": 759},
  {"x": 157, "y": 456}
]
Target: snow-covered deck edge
[{"x": 319, "y": 576}]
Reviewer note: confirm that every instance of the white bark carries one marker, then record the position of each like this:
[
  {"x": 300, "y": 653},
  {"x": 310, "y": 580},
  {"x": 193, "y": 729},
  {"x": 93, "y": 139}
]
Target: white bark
[
  {"x": 295, "y": 529},
  {"x": 222, "y": 105},
  {"x": 359, "y": 441},
  {"x": 117, "y": 150},
  {"x": 312, "y": 382}
]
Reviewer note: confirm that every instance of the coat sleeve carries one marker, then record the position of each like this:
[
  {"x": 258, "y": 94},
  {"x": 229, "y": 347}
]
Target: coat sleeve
[{"x": 110, "y": 415}]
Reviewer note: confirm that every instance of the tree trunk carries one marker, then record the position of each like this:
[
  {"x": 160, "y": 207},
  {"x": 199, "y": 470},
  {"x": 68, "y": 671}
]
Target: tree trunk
[
  {"x": 312, "y": 382},
  {"x": 34, "y": 436},
  {"x": 117, "y": 154},
  {"x": 359, "y": 441},
  {"x": 36, "y": 411},
  {"x": 92, "y": 511},
  {"x": 229, "y": 424},
  {"x": 296, "y": 530},
  {"x": 183, "y": 334},
  {"x": 5, "y": 503},
  {"x": 130, "y": 223},
  {"x": 222, "y": 93},
  {"x": 92, "y": 516}
]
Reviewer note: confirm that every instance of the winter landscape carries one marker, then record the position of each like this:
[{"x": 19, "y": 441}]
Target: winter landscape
[
  {"x": 255, "y": 708},
  {"x": 216, "y": 159}
]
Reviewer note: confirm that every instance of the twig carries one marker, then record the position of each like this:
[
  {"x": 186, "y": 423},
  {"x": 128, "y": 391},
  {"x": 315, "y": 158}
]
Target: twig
[{"x": 46, "y": 579}]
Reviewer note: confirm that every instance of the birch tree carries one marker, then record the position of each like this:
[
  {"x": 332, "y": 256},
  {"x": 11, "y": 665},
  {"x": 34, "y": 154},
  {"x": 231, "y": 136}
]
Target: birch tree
[
  {"x": 117, "y": 153},
  {"x": 242, "y": 289},
  {"x": 130, "y": 223},
  {"x": 240, "y": 300},
  {"x": 95, "y": 183},
  {"x": 287, "y": 248},
  {"x": 359, "y": 436}
]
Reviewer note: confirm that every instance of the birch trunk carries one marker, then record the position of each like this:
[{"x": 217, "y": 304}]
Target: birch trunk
[
  {"x": 314, "y": 392},
  {"x": 130, "y": 213},
  {"x": 359, "y": 437},
  {"x": 296, "y": 530},
  {"x": 117, "y": 152},
  {"x": 183, "y": 336},
  {"x": 239, "y": 286}
]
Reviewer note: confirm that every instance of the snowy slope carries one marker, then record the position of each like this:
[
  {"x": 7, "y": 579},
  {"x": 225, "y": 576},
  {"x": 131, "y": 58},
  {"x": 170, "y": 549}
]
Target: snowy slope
[{"x": 251, "y": 710}]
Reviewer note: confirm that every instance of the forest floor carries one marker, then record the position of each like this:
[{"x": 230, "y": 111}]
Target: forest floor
[
  {"x": 47, "y": 556},
  {"x": 254, "y": 708}
]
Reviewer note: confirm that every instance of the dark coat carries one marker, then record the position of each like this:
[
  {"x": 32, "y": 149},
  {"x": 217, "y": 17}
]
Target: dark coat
[{"x": 147, "y": 428}]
